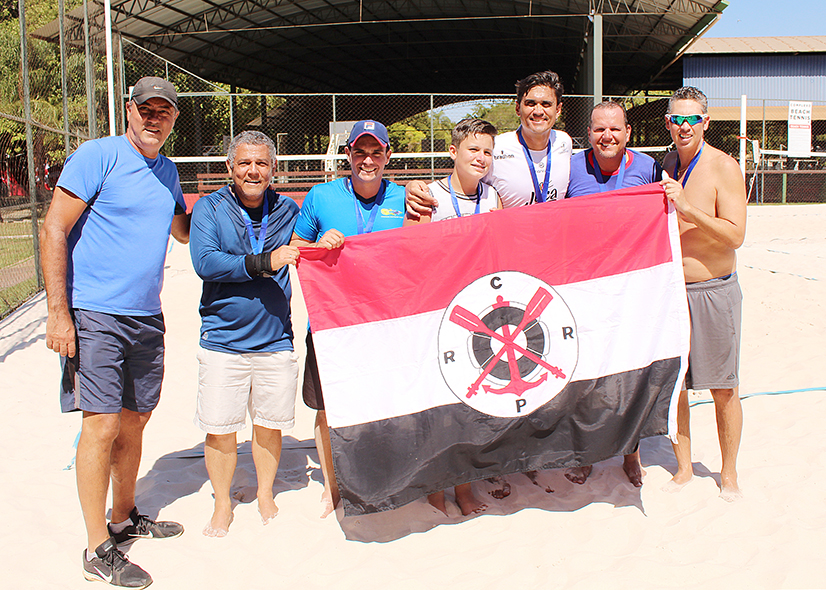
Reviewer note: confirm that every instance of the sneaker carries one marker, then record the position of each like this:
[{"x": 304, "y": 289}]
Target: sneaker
[
  {"x": 111, "y": 566},
  {"x": 143, "y": 527}
]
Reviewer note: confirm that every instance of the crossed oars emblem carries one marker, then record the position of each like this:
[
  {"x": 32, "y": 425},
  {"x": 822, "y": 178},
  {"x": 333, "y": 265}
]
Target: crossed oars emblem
[{"x": 470, "y": 321}]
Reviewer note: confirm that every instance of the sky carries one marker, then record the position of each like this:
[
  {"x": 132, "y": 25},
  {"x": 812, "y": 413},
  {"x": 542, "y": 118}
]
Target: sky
[{"x": 770, "y": 18}]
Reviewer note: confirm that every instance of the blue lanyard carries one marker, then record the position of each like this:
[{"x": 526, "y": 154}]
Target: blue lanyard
[
  {"x": 257, "y": 243},
  {"x": 601, "y": 181},
  {"x": 456, "y": 202},
  {"x": 374, "y": 209},
  {"x": 691, "y": 165},
  {"x": 541, "y": 195}
]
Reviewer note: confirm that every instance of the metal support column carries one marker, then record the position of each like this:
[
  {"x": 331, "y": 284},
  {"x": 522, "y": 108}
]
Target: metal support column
[
  {"x": 63, "y": 78},
  {"x": 596, "y": 66},
  {"x": 333, "y": 137},
  {"x": 110, "y": 71},
  {"x": 122, "y": 87},
  {"x": 232, "y": 90},
  {"x": 743, "y": 128},
  {"x": 27, "y": 113},
  {"x": 432, "y": 144},
  {"x": 90, "y": 75},
  {"x": 762, "y": 160}
]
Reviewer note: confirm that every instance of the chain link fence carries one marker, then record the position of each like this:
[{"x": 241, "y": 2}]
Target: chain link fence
[
  {"x": 54, "y": 96},
  {"x": 49, "y": 103}
]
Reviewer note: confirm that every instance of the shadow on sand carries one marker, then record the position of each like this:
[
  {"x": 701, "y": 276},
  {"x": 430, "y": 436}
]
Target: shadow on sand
[
  {"x": 181, "y": 473},
  {"x": 550, "y": 491}
]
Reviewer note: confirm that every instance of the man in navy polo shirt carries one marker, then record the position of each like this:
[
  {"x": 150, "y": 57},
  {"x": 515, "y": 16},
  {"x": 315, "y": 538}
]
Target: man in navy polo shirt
[{"x": 240, "y": 248}]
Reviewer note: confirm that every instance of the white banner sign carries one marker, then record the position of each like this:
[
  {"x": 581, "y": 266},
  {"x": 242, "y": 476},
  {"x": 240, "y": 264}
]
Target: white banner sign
[{"x": 800, "y": 129}]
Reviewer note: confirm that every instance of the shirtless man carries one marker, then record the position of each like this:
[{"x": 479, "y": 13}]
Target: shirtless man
[{"x": 709, "y": 194}]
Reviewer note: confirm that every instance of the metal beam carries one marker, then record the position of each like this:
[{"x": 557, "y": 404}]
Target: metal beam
[
  {"x": 596, "y": 54},
  {"x": 27, "y": 110}
]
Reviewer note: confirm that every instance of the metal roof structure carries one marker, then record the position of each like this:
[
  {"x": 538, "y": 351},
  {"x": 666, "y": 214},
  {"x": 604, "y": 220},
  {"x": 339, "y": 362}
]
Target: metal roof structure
[
  {"x": 771, "y": 71},
  {"x": 752, "y": 45},
  {"x": 398, "y": 46}
]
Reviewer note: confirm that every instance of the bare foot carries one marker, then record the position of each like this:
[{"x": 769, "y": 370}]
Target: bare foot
[
  {"x": 731, "y": 495},
  {"x": 218, "y": 525},
  {"x": 678, "y": 482},
  {"x": 504, "y": 489},
  {"x": 578, "y": 475},
  {"x": 633, "y": 469},
  {"x": 729, "y": 490},
  {"x": 534, "y": 476},
  {"x": 327, "y": 504},
  {"x": 468, "y": 503},
  {"x": 437, "y": 500},
  {"x": 267, "y": 509}
]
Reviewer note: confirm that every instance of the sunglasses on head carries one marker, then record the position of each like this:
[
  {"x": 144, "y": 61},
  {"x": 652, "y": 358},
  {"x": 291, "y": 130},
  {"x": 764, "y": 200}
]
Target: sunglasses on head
[{"x": 680, "y": 119}]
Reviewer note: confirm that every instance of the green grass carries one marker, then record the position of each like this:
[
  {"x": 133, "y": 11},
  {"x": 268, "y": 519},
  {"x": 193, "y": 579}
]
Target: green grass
[
  {"x": 13, "y": 296},
  {"x": 17, "y": 228},
  {"x": 16, "y": 245},
  {"x": 16, "y": 242},
  {"x": 13, "y": 250}
]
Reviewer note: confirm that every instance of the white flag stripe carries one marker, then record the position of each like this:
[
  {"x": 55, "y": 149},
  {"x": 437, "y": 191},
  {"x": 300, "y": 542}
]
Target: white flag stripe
[{"x": 634, "y": 315}]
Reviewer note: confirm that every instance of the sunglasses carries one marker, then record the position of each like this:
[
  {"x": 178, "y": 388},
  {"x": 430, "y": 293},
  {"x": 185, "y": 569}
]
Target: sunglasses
[{"x": 680, "y": 119}]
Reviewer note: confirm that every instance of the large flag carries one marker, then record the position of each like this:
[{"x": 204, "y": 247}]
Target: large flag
[{"x": 546, "y": 336}]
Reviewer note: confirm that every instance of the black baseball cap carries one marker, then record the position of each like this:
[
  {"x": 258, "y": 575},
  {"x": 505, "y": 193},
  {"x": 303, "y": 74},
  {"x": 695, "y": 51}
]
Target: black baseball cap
[{"x": 153, "y": 87}]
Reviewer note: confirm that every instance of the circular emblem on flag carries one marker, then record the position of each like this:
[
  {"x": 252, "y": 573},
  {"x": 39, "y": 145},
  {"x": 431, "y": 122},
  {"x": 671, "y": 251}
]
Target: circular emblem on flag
[{"x": 507, "y": 344}]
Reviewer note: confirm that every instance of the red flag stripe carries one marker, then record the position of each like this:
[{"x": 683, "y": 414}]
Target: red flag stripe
[{"x": 420, "y": 267}]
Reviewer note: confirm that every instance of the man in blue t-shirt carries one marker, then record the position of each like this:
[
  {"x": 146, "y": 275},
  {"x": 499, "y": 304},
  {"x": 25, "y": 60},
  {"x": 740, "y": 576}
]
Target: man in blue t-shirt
[
  {"x": 610, "y": 165},
  {"x": 240, "y": 248},
  {"x": 104, "y": 244},
  {"x": 359, "y": 204}
]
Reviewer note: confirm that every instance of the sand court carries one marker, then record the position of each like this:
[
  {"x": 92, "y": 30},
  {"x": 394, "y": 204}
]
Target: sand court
[{"x": 604, "y": 534}]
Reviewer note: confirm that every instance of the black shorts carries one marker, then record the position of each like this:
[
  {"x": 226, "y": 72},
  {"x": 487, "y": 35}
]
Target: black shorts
[{"x": 311, "y": 390}]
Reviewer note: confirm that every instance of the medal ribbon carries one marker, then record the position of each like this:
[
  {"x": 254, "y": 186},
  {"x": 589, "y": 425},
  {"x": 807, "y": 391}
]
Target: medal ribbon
[
  {"x": 541, "y": 195},
  {"x": 374, "y": 209},
  {"x": 601, "y": 180},
  {"x": 691, "y": 165},
  {"x": 456, "y": 201},
  {"x": 257, "y": 243}
]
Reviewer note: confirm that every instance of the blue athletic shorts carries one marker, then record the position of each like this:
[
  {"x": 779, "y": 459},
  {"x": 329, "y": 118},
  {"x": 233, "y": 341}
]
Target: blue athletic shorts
[{"x": 118, "y": 364}]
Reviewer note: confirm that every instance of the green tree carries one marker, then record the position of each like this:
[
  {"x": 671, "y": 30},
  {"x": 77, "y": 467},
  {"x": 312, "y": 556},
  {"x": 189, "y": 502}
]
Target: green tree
[
  {"x": 501, "y": 114},
  {"x": 413, "y": 133}
]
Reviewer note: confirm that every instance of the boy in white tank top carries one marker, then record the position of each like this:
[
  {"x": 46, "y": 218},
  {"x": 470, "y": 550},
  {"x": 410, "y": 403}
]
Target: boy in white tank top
[{"x": 463, "y": 193}]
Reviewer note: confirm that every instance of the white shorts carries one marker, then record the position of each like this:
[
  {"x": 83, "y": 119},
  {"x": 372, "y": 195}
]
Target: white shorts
[{"x": 229, "y": 384}]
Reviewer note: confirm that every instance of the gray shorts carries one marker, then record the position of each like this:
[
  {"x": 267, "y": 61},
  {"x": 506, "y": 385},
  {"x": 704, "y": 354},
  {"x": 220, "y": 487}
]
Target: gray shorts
[
  {"x": 715, "y": 308},
  {"x": 118, "y": 363}
]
